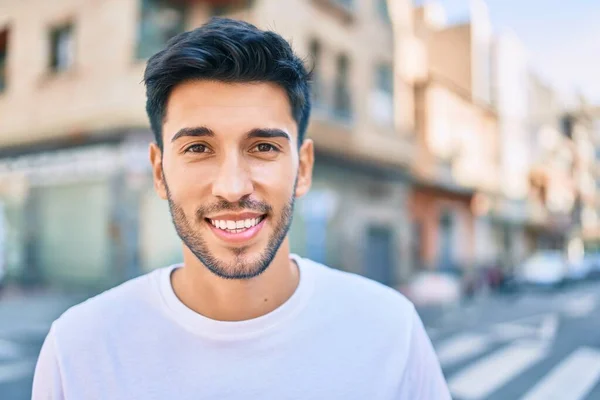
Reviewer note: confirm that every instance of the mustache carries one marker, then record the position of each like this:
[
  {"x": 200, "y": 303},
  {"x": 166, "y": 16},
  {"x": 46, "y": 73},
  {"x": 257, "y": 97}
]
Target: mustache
[{"x": 244, "y": 204}]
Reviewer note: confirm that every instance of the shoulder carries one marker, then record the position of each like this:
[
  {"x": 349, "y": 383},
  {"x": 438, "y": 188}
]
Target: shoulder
[
  {"x": 363, "y": 298},
  {"x": 122, "y": 305},
  {"x": 366, "y": 315}
]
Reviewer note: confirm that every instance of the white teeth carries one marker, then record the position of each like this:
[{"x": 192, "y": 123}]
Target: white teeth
[{"x": 235, "y": 226}]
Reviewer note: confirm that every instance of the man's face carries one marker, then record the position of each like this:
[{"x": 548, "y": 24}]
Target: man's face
[{"x": 230, "y": 169}]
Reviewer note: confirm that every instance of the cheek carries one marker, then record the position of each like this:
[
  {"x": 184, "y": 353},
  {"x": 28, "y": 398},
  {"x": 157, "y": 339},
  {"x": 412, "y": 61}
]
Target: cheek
[
  {"x": 187, "y": 176},
  {"x": 276, "y": 180},
  {"x": 185, "y": 188}
]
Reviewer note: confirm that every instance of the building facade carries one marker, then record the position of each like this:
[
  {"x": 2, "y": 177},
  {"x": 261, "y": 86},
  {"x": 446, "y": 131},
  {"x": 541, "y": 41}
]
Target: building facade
[
  {"x": 578, "y": 124},
  {"x": 552, "y": 189},
  {"x": 456, "y": 168},
  {"x": 75, "y": 183},
  {"x": 510, "y": 75}
]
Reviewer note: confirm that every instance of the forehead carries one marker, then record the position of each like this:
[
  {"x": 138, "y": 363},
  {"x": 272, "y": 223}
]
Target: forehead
[{"x": 228, "y": 108}]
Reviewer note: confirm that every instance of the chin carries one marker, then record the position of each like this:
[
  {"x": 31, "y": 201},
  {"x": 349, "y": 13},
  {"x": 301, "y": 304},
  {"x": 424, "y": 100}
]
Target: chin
[
  {"x": 243, "y": 262},
  {"x": 238, "y": 267}
]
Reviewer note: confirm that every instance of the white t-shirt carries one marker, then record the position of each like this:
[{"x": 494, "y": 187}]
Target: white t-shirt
[{"x": 339, "y": 336}]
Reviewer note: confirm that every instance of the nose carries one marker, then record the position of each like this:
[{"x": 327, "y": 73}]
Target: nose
[{"x": 233, "y": 180}]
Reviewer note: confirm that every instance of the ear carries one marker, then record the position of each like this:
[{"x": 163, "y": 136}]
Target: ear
[
  {"x": 306, "y": 158},
  {"x": 157, "y": 171}
]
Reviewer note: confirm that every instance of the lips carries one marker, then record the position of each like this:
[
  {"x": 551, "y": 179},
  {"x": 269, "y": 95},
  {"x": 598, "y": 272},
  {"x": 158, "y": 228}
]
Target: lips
[
  {"x": 235, "y": 226},
  {"x": 236, "y": 230}
]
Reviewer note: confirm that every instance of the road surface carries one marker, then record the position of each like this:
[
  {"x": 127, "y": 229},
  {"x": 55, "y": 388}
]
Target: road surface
[{"x": 534, "y": 346}]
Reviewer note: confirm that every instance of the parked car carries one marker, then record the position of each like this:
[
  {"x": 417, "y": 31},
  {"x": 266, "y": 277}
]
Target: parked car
[
  {"x": 587, "y": 267},
  {"x": 545, "y": 268},
  {"x": 580, "y": 269},
  {"x": 433, "y": 288},
  {"x": 593, "y": 261}
]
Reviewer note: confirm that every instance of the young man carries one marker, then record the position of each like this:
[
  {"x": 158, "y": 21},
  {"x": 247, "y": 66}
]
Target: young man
[{"x": 241, "y": 318}]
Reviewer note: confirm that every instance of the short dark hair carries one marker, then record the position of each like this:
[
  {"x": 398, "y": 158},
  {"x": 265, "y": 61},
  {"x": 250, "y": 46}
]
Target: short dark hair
[{"x": 226, "y": 50}]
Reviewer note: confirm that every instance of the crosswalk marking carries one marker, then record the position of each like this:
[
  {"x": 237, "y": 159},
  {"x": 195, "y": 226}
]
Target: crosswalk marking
[
  {"x": 461, "y": 347},
  {"x": 572, "y": 379},
  {"x": 580, "y": 307},
  {"x": 508, "y": 331},
  {"x": 16, "y": 370},
  {"x": 488, "y": 374},
  {"x": 8, "y": 349},
  {"x": 538, "y": 326},
  {"x": 547, "y": 330}
]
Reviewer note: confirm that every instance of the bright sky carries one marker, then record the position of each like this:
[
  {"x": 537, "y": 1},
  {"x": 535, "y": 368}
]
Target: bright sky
[{"x": 562, "y": 37}]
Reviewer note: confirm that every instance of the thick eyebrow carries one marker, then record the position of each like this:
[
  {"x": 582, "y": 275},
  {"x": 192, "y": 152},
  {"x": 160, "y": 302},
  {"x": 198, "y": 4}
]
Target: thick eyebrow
[
  {"x": 194, "y": 132},
  {"x": 254, "y": 133},
  {"x": 268, "y": 134}
]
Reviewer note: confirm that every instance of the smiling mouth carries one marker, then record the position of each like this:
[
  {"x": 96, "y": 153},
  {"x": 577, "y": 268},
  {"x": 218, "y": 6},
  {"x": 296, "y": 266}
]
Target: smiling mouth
[{"x": 235, "y": 226}]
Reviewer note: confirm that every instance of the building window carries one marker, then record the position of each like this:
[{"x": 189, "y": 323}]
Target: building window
[
  {"x": 220, "y": 10},
  {"x": 222, "y": 7},
  {"x": 317, "y": 89},
  {"x": 445, "y": 252},
  {"x": 347, "y": 4},
  {"x": 159, "y": 21},
  {"x": 417, "y": 244},
  {"x": 385, "y": 78},
  {"x": 227, "y": 7},
  {"x": 380, "y": 255},
  {"x": 62, "y": 48},
  {"x": 342, "y": 99},
  {"x": 382, "y": 99},
  {"x": 3, "y": 58},
  {"x": 382, "y": 10},
  {"x": 567, "y": 125}
]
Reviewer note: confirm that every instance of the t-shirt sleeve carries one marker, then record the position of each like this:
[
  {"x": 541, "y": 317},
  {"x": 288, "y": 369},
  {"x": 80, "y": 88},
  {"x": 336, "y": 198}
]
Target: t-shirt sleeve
[
  {"x": 47, "y": 382},
  {"x": 422, "y": 378}
]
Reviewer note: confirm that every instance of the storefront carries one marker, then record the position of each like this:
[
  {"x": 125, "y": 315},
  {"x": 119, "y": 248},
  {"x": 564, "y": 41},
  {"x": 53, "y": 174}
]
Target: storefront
[
  {"x": 446, "y": 223},
  {"x": 355, "y": 219},
  {"x": 65, "y": 216}
]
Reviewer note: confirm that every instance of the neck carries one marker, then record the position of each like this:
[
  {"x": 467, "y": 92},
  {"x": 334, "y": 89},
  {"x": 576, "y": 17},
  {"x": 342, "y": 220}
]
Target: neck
[{"x": 235, "y": 300}]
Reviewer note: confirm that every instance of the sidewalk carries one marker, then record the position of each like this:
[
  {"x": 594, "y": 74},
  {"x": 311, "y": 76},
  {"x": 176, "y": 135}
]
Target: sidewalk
[
  {"x": 32, "y": 311},
  {"x": 437, "y": 315}
]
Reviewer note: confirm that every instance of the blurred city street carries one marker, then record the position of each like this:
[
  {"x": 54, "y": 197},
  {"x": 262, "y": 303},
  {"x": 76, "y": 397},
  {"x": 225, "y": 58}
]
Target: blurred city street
[
  {"x": 26, "y": 319},
  {"x": 531, "y": 344},
  {"x": 457, "y": 148}
]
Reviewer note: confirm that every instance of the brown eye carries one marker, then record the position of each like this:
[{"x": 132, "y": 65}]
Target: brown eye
[
  {"x": 266, "y": 148},
  {"x": 197, "y": 148}
]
